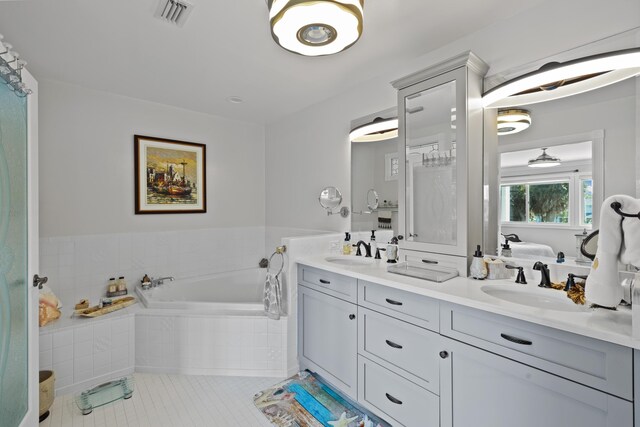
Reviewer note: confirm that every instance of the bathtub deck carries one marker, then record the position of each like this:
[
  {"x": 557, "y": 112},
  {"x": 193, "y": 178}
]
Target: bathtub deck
[{"x": 172, "y": 400}]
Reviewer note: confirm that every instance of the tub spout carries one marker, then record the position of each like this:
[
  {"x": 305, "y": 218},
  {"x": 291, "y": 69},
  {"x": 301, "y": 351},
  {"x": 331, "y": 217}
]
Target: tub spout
[{"x": 160, "y": 281}]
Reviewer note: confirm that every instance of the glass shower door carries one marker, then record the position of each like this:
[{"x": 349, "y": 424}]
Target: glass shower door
[{"x": 14, "y": 286}]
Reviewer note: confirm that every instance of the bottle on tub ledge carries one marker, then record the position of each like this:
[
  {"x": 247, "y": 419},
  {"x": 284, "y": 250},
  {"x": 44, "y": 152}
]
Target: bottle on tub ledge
[
  {"x": 116, "y": 288},
  {"x": 478, "y": 269}
]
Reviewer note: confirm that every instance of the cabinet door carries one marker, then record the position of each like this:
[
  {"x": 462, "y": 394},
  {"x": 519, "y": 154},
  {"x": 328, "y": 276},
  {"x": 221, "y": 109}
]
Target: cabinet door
[
  {"x": 481, "y": 389},
  {"x": 328, "y": 338},
  {"x": 434, "y": 172}
]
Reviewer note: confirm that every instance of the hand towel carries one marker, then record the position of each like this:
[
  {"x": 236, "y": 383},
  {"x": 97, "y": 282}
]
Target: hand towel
[
  {"x": 272, "y": 300},
  {"x": 603, "y": 284}
]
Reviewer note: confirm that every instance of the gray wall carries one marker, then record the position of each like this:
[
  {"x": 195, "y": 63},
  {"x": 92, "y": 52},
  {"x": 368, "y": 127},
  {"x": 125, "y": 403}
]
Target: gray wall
[{"x": 86, "y": 163}]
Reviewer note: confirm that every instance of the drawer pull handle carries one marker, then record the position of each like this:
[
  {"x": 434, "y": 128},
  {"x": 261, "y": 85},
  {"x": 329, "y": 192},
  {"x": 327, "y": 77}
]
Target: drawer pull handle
[
  {"x": 392, "y": 302},
  {"x": 392, "y": 344},
  {"x": 429, "y": 261},
  {"x": 326, "y": 282},
  {"x": 352, "y": 316},
  {"x": 393, "y": 399},
  {"x": 516, "y": 340}
]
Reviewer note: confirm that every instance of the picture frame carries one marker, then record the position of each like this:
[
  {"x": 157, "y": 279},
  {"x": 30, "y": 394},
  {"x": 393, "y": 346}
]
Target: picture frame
[{"x": 170, "y": 176}]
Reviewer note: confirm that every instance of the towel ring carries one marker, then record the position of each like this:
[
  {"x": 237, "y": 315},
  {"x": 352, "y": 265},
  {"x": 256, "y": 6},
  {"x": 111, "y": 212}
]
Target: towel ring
[
  {"x": 279, "y": 251},
  {"x": 617, "y": 207}
]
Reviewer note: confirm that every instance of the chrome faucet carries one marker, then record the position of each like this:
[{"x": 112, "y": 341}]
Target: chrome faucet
[
  {"x": 545, "y": 277},
  {"x": 367, "y": 247},
  {"x": 160, "y": 281}
]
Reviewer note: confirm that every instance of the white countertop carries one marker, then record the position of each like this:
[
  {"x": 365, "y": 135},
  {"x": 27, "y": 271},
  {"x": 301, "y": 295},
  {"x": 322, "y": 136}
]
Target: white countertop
[{"x": 607, "y": 325}]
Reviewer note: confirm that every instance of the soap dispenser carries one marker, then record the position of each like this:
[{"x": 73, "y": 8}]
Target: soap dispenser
[
  {"x": 346, "y": 245},
  {"x": 372, "y": 242},
  {"x": 478, "y": 268},
  {"x": 506, "y": 249}
]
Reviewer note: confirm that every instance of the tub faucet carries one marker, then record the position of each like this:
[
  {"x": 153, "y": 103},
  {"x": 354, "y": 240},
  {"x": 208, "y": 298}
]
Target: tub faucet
[
  {"x": 367, "y": 247},
  {"x": 545, "y": 277},
  {"x": 160, "y": 281}
]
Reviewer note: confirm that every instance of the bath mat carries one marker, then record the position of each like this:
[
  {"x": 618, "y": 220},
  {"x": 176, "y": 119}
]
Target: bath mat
[{"x": 304, "y": 400}]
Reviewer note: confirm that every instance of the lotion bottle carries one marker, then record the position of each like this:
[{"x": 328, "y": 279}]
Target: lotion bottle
[
  {"x": 478, "y": 268},
  {"x": 346, "y": 245}
]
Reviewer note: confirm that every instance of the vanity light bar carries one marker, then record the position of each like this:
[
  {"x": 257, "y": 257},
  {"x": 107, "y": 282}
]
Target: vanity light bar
[
  {"x": 377, "y": 130},
  {"x": 558, "y": 80}
]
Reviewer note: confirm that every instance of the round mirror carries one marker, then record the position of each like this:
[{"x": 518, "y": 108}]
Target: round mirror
[
  {"x": 330, "y": 198},
  {"x": 589, "y": 245},
  {"x": 372, "y": 200}
]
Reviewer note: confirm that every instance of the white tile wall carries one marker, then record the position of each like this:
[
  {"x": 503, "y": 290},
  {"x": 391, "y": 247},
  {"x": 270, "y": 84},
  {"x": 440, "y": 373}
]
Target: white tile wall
[
  {"x": 84, "y": 355},
  {"x": 80, "y": 266},
  {"x": 219, "y": 345}
]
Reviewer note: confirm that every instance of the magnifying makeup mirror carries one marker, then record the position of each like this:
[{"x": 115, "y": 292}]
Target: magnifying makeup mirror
[
  {"x": 330, "y": 198},
  {"x": 372, "y": 200}
]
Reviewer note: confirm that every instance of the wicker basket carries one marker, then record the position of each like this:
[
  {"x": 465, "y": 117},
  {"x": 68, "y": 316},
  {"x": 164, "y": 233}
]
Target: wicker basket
[{"x": 47, "y": 392}]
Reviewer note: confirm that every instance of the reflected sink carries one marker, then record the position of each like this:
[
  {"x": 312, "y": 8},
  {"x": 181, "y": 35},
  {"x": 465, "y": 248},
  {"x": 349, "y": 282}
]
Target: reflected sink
[
  {"x": 548, "y": 299},
  {"x": 349, "y": 260}
]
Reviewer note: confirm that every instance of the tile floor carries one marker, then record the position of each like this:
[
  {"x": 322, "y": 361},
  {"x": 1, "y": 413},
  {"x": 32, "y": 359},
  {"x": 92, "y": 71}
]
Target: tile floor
[{"x": 173, "y": 401}]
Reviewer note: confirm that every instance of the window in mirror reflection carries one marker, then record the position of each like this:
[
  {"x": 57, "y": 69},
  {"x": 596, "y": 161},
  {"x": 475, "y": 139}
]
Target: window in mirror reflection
[{"x": 535, "y": 197}]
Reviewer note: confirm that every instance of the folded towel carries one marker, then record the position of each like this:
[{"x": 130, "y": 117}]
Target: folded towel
[
  {"x": 272, "y": 296},
  {"x": 384, "y": 214},
  {"x": 618, "y": 241}
]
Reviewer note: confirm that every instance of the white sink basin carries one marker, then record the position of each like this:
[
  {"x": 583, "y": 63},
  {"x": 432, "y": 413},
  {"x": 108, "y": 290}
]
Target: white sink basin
[
  {"x": 349, "y": 260},
  {"x": 548, "y": 299}
]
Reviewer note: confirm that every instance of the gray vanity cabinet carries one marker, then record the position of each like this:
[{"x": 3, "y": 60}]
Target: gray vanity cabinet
[
  {"x": 328, "y": 329},
  {"x": 482, "y": 389}
]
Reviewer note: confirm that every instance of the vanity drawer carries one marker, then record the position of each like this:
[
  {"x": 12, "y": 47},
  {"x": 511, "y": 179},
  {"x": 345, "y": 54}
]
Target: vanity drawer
[
  {"x": 598, "y": 364},
  {"x": 412, "y": 308},
  {"x": 401, "y": 345},
  {"x": 337, "y": 285},
  {"x": 396, "y": 397}
]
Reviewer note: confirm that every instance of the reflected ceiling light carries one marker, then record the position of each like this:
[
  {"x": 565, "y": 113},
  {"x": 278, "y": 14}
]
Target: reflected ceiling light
[
  {"x": 544, "y": 161},
  {"x": 377, "y": 130},
  {"x": 316, "y": 27},
  {"x": 512, "y": 121},
  {"x": 560, "y": 79}
]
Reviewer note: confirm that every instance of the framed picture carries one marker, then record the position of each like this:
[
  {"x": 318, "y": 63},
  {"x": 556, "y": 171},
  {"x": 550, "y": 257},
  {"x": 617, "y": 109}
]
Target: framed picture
[{"x": 170, "y": 176}]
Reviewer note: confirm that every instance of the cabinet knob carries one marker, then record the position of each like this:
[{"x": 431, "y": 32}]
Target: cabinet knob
[
  {"x": 352, "y": 316},
  {"x": 444, "y": 354}
]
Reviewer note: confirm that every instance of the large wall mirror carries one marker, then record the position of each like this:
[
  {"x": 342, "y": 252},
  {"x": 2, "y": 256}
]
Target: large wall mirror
[
  {"x": 374, "y": 173},
  {"x": 551, "y": 176}
]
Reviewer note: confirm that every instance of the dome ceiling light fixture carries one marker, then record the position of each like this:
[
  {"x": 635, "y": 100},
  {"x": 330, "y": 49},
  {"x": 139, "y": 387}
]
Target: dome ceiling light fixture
[
  {"x": 378, "y": 129},
  {"x": 513, "y": 120},
  {"x": 560, "y": 79},
  {"x": 316, "y": 27},
  {"x": 544, "y": 161}
]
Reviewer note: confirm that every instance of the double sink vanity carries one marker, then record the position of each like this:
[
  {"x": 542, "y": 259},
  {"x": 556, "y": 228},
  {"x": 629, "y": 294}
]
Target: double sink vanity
[{"x": 463, "y": 352}]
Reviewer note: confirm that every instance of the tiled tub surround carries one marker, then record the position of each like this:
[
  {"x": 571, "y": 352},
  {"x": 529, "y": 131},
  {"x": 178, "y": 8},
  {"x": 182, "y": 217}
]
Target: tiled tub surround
[
  {"x": 181, "y": 342},
  {"x": 79, "y": 266},
  {"x": 85, "y": 352}
]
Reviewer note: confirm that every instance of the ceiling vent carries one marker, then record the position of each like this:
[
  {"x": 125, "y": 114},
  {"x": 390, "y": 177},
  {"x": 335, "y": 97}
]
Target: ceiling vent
[{"x": 174, "y": 11}]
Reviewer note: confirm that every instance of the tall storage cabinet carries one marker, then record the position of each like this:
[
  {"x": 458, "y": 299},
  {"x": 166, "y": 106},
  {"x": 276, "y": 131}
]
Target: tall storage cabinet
[{"x": 441, "y": 157}]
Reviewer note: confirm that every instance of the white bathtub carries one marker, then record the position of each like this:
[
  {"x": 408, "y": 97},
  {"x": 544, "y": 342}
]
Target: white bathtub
[
  {"x": 212, "y": 325},
  {"x": 237, "y": 290}
]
